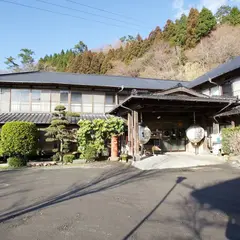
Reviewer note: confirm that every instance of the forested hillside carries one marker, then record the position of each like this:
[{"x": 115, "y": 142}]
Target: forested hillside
[{"x": 183, "y": 49}]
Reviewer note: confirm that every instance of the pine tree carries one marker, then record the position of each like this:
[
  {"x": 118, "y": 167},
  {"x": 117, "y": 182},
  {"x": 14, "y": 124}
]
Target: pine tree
[
  {"x": 59, "y": 133},
  {"x": 86, "y": 62},
  {"x": 222, "y": 14},
  {"x": 206, "y": 23},
  {"x": 155, "y": 34},
  {"x": 181, "y": 30},
  {"x": 11, "y": 64},
  {"x": 191, "y": 35},
  {"x": 234, "y": 17},
  {"x": 169, "y": 31}
]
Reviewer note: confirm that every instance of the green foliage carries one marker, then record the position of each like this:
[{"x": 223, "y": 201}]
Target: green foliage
[
  {"x": 19, "y": 138},
  {"x": 185, "y": 32},
  {"x": 16, "y": 162},
  {"x": 206, "y": 23},
  {"x": 11, "y": 64},
  {"x": 96, "y": 133},
  {"x": 234, "y": 17},
  {"x": 191, "y": 35},
  {"x": 180, "y": 31},
  {"x": 72, "y": 114},
  {"x": 26, "y": 56},
  {"x": 222, "y": 14},
  {"x": 68, "y": 158},
  {"x": 80, "y": 47},
  {"x": 231, "y": 140},
  {"x": 59, "y": 132},
  {"x": 90, "y": 153}
]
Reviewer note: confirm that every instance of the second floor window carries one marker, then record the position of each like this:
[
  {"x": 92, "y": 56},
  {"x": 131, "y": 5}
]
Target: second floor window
[{"x": 20, "y": 100}]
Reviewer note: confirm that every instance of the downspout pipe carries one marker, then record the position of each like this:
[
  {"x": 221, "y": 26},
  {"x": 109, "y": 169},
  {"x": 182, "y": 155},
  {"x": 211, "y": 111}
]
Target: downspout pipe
[{"x": 229, "y": 104}]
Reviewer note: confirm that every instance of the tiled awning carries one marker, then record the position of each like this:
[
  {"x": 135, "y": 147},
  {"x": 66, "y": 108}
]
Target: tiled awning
[
  {"x": 45, "y": 118},
  {"x": 233, "y": 111}
]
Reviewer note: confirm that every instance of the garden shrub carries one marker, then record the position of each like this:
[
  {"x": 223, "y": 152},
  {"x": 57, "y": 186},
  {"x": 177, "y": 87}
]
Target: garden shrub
[
  {"x": 90, "y": 153},
  {"x": 19, "y": 139},
  {"x": 68, "y": 158},
  {"x": 16, "y": 162},
  {"x": 231, "y": 140}
]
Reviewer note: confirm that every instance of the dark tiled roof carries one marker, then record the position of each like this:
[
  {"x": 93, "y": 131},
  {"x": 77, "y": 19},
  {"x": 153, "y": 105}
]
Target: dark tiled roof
[
  {"x": 187, "y": 99},
  {"x": 88, "y": 80},
  {"x": 216, "y": 72},
  {"x": 234, "y": 111},
  {"x": 45, "y": 118}
]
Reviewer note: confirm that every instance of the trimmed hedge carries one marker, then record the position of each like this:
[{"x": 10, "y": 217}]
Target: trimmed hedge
[
  {"x": 231, "y": 140},
  {"x": 68, "y": 158},
  {"x": 19, "y": 139},
  {"x": 16, "y": 162}
]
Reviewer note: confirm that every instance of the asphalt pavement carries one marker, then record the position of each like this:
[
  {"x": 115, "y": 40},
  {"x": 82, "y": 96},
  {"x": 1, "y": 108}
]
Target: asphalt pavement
[{"x": 120, "y": 202}]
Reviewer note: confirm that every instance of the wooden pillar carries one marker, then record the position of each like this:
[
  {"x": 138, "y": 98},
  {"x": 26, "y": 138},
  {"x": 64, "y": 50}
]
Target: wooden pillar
[
  {"x": 130, "y": 134},
  {"x": 114, "y": 149},
  {"x": 136, "y": 136}
]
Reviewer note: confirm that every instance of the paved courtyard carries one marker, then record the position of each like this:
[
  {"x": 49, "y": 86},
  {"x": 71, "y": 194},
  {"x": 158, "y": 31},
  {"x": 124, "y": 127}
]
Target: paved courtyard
[
  {"x": 177, "y": 160},
  {"x": 120, "y": 202}
]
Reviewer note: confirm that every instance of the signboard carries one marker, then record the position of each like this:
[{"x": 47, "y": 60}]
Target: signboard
[{"x": 195, "y": 134}]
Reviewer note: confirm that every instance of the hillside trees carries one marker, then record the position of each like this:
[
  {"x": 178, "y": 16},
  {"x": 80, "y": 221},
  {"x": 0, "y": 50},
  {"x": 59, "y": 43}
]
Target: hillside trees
[
  {"x": 183, "y": 34},
  {"x": 206, "y": 23},
  {"x": 191, "y": 36}
]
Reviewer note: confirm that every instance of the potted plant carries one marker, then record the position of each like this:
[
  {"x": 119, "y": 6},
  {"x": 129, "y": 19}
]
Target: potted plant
[{"x": 124, "y": 157}]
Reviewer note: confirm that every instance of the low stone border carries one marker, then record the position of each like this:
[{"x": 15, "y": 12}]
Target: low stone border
[{"x": 41, "y": 164}]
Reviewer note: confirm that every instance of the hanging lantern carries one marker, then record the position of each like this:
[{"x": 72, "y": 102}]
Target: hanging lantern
[
  {"x": 144, "y": 134},
  {"x": 195, "y": 134}
]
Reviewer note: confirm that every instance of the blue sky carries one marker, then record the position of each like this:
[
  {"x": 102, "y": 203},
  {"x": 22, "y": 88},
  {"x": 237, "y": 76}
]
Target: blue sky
[{"x": 46, "y": 33}]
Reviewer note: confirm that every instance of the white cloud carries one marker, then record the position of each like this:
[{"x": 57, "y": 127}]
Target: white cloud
[
  {"x": 213, "y": 5},
  {"x": 178, "y": 5}
]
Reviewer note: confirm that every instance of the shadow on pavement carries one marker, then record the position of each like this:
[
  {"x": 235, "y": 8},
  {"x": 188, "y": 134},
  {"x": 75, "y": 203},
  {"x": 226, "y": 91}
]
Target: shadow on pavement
[
  {"x": 224, "y": 197},
  {"x": 108, "y": 180},
  {"x": 178, "y": 181}
]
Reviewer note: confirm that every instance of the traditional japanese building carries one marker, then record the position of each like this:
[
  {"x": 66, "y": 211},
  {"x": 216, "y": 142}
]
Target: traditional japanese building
[{"x": 167, "y": 107}]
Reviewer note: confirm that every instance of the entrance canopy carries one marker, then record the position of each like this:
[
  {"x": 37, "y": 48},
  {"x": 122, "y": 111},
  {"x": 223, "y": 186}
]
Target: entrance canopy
[{"x": 176, "y": 102}]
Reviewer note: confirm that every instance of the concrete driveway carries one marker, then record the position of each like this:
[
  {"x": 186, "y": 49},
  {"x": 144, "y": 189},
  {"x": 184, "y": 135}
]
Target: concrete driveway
[
  {"x": 177, "y": 160},
  {"x": 119, "y": 202}
]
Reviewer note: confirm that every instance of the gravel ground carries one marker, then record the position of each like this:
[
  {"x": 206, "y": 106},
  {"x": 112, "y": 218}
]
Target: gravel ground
[{"x": 120, "y": 202}]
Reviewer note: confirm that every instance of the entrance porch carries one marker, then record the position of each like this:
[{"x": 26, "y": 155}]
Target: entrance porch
[{"x": 168, "y": 115}]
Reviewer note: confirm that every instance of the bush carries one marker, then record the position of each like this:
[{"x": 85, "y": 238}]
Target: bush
[
  {"x": 231, "y": 140},
  {"x": 89, "y": 153},
  {"x": 19, "y": 139},
  {"x": 16, "y": 162},
  {"x": 68, "y": 158}
]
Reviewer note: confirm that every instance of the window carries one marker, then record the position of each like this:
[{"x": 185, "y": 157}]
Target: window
[
  {"x": 110, "y": 99},
  {"x": 122, "y": 98},
  {"x": 215, "y": 91},
  {"x": 76, "y": 102},
  {"x": 87, "y": 102},
  {"x": 4, "y": 99},
  {"x": 20, "y": 100},
  {"x": 36, "y": 100},
  {"x": 109, "y": 102},
  {"x": 236, "y": 88},
  {"x": 55, "y": 99},
  {"x": 64, "y": 98},
  {"x": 98, "y": 103},
  {"x": 206, "y": 92},
  {"x": 40, "y": 100}
]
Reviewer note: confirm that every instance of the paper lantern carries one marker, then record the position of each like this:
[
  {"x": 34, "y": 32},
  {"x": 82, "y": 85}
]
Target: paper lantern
[
  {"x": 144, "y": 134},
  {"x": 195, "y": 134}
]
